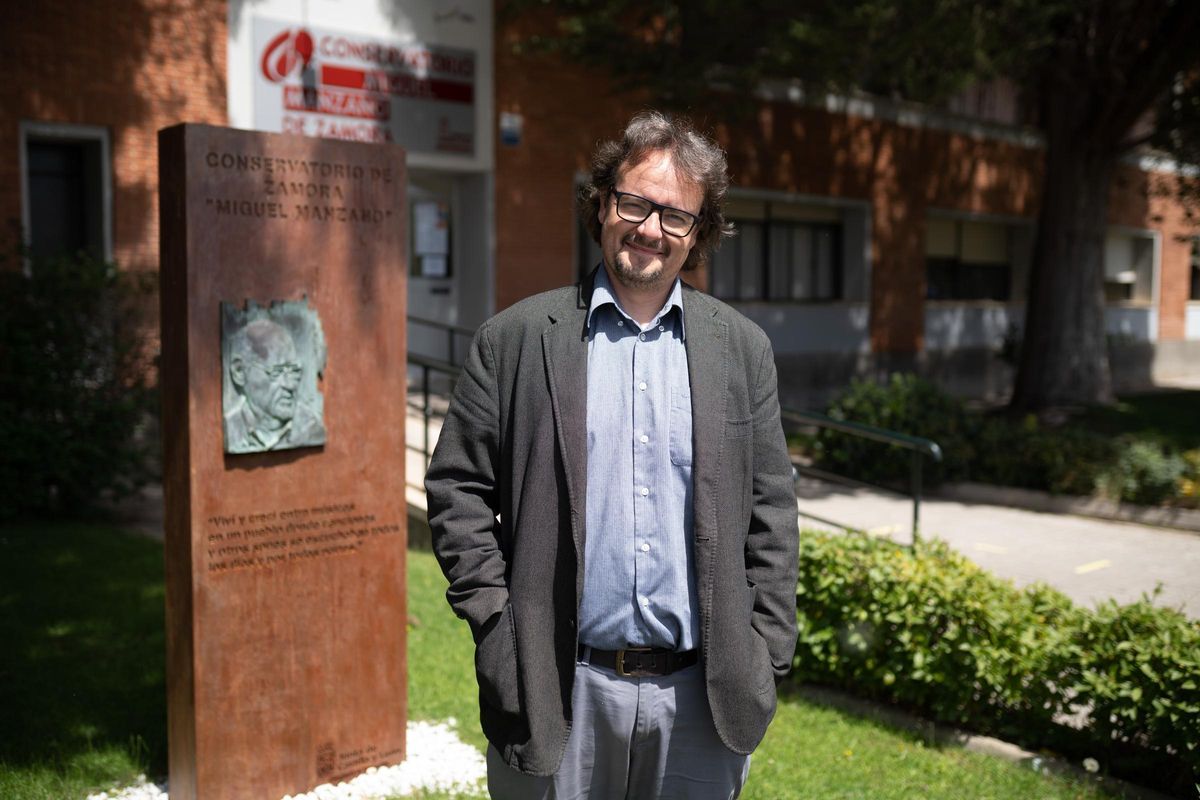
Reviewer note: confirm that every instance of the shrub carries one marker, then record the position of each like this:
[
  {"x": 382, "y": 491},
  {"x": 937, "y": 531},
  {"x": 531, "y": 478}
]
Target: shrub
[
  {"x": 906, "y": 404},
  {"x": 1145, "y": 474},
  {"x": 73, "y": 384},
  {"x": 1139, "y": 672},
  {"x": 997, "y": 449},
  {"x": 930, "y": 630},
  {"x": 1189, "y": 482},
  {"x": 1026, "y": 454}
]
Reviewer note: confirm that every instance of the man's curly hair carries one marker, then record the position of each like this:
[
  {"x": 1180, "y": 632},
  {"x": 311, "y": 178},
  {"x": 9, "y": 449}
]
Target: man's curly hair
[{"x": 697, "y": 159}]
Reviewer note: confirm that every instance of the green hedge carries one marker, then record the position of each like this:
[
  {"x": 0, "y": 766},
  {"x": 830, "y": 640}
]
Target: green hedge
[
  {"x": 906, "y": 404},
  {"x": 75, "y": 400},
  {"x": 998, "y": 449},
  {"x": 931, "y": 631}
]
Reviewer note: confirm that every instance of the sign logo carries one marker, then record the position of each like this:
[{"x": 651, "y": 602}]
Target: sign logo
[
  {"x": 283, "y": 53},
  {"x": 342, "y": 85}
]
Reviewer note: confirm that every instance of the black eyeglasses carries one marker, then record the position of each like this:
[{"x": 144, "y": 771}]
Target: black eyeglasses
[{"x": 635, "y": 208}]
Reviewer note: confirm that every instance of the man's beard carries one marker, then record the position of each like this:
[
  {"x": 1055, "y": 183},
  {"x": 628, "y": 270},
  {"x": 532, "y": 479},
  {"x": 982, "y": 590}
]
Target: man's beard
[{"x": 634, "y": 278}]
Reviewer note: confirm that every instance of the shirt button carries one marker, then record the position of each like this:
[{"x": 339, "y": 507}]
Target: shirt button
[
  {"x": 645, "y": 602},
  {"x": 620, "y": 323},
  {"x": 645, "y": 547},
  {"x": 642, "y": 386},
  {"x": 662, "y": 327},
  {"x": 645, "y": 491},
  {"x": 642, "y": 336},
  {"x": 643, "y": 438}
]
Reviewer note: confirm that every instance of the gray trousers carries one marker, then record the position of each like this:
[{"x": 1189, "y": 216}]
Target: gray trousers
[{"x": 633, "y": 739}]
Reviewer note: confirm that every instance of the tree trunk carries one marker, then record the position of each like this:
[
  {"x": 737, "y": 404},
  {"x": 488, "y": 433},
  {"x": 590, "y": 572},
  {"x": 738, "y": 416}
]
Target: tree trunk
[{"x": 1064, "y": 354}]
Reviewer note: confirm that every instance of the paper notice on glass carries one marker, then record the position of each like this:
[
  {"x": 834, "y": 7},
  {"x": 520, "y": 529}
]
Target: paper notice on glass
[
  {"x": 431, "y": 223},
  {"x": 434, "y": 266}
]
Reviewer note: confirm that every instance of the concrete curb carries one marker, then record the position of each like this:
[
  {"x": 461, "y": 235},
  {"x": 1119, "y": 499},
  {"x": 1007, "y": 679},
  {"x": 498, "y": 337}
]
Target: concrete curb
[
  {"x": 948, "y": 735},
  {"x": 1183, "y": 519}
]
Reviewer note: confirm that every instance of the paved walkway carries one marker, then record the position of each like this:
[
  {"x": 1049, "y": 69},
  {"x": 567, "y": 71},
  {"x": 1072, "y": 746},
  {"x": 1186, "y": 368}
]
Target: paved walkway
[{"x": 1088, "y": 559}]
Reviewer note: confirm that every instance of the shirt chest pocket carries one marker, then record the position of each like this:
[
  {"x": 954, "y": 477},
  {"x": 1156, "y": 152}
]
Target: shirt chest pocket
[{"x": 680, "y": 424}]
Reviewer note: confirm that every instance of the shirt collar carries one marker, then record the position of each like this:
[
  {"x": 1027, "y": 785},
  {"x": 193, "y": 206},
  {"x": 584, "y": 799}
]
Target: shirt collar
[{"x": 603, "y": 294}]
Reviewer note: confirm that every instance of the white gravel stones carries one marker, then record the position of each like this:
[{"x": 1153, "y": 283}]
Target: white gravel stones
[
  {"x": 437, "y": 760},
  {"x": 142, "y": 790}
]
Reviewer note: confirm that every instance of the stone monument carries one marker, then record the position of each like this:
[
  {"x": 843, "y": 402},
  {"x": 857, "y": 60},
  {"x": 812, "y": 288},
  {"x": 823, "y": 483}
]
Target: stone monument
[{"x": 283, "y": 381}]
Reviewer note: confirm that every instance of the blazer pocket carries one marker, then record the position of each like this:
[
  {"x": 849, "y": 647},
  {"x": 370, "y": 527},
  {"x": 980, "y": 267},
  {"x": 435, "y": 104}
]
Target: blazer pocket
[
  {"x": 680, "y": 433},
  {"x": 760, "y": 671},
  {"x": 496, "y": 664},
  {"x": 737, "y": 428}
]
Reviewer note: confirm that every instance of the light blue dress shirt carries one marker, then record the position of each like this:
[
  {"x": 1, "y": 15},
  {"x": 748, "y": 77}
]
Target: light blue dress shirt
[{"x": 639, "y": 587}]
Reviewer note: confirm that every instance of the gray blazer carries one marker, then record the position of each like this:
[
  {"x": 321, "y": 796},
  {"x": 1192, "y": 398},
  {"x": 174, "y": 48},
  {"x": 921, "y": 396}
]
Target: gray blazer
[{"x": 506, "y": 491}]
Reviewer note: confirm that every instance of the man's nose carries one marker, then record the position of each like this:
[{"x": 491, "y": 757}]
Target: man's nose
[{"x": 651, "y": 226}]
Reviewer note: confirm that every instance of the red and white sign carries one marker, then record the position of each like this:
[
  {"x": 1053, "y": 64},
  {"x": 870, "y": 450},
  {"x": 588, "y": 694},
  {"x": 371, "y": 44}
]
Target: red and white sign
[{"x": 347, "y": 86}]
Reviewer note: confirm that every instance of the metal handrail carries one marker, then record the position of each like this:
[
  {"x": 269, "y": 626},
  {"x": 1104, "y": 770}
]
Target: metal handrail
[
  {"x": 451, "y": 332},
  {"x": 919, "y": 446},
  {"x": 428, "y": 365},
  {"x": 435, "y": 364}
]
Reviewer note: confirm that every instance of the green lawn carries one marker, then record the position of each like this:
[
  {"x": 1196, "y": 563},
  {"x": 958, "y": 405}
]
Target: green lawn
[
  {"x": 82, "y": 687},
  {"x": 441, "y": 667},
  {"x": 82, "y": 697},
  {"x": 816, "y": 752}
]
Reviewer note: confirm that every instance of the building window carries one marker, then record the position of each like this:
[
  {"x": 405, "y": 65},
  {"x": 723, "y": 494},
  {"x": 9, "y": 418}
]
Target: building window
[
  {"x": 967, "y": 260},
  {"x": 65, "y": 182},
  {"x": 1194, "y": 291},
  {"x": 783, "y": 252},
  {"x": 1128, "y": 267}
]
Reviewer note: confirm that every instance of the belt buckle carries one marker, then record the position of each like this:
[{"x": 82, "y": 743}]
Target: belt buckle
[{"x": 621, "y": 663}]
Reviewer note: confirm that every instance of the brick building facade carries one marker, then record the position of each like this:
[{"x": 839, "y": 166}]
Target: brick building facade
[
  {"x": 873, "y": 236},
  {"x": 109, "y": 75}
]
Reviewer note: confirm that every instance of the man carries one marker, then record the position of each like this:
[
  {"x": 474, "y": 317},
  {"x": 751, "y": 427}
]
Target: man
[
  {"x": 611, "y": 500},
  {"x": 266, "y": 375}
]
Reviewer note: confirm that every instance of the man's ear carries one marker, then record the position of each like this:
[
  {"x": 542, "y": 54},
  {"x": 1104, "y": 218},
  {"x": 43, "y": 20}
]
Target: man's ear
[
  {"x": 602, "y": 211},
  {"x": 237, "y": 371}
]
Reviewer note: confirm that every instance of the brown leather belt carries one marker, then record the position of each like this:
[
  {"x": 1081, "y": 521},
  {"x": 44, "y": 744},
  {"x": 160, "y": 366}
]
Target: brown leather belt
[{"x": 640, "y": 662}]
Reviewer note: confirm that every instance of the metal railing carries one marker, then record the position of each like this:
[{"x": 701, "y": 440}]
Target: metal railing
[
  {"x": 918, "y": 446},
  {"x": 427, "y": 367},
  {"x": 453, "y": 333}
]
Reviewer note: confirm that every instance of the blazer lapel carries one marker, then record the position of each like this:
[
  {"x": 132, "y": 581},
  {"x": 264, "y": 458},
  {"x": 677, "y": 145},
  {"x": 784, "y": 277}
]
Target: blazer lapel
[
  {"x": 564, "y": 347},
  {"x": 708, "y": 372}
]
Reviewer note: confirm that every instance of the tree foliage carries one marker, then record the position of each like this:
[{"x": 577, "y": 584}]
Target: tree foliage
[
  {"x": 680, "y": 51},
  {"x": 1098, "y": 77}
]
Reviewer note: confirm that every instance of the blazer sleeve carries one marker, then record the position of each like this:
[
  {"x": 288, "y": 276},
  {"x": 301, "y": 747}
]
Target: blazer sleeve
[
  {"x": 462, "y": 492},
  {"x": 772, "y": 542}
]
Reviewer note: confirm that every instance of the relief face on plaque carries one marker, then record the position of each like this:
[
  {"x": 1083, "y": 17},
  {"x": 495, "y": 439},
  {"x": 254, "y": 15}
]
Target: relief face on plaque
[{"x": 271, "y": 360}]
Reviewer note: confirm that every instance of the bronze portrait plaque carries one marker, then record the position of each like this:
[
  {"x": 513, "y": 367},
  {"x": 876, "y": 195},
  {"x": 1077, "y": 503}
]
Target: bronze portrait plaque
[{"x": 272, "y": 360}]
